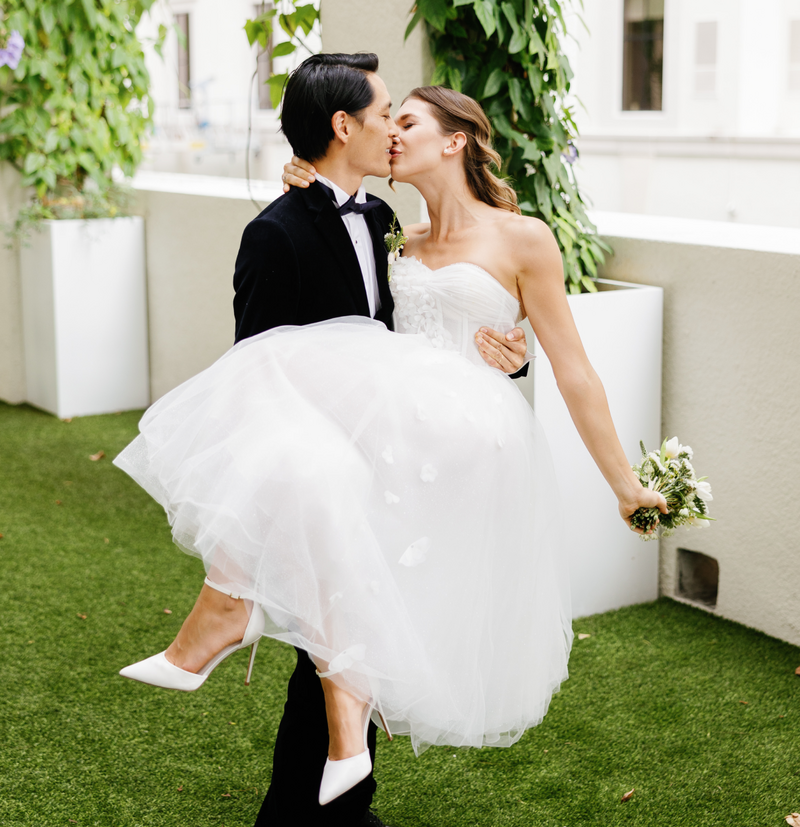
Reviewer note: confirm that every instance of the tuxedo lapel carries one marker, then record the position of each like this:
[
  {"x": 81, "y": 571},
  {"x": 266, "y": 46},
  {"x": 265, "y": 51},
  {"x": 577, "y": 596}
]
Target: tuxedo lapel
[
  {"x": 330, "y": 225},
  {"x": 377, "y": 231}
]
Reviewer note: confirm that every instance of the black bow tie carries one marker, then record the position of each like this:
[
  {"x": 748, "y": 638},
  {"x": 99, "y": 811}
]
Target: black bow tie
[{"x": 350, "y": 205}]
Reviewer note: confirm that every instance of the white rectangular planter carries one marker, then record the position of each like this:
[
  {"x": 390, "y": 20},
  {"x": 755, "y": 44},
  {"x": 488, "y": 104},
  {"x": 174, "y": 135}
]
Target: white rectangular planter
[
  {"x": 84, "y": 311},
  {"x": 621, "y": 330}
]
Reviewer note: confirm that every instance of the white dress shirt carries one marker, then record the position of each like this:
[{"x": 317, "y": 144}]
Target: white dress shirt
[{"x": 356, "y": 226}]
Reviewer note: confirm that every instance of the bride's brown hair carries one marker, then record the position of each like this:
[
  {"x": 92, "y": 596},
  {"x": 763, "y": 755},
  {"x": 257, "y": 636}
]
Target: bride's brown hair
[{"x": 455, "y": 112}]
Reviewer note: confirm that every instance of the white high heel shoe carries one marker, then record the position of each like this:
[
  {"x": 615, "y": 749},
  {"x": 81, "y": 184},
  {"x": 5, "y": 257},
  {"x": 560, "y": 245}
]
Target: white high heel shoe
[
  {"x": 340, "y": 776},
  {"x": 158, "y": 671}
]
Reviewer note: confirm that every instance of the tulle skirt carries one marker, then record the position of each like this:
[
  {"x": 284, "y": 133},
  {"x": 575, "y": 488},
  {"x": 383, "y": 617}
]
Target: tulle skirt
[{"x": 392, "y": 507}]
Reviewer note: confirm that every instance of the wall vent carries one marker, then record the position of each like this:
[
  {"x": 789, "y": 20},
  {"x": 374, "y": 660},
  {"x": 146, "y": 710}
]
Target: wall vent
[{"x": 698, "y": 578}]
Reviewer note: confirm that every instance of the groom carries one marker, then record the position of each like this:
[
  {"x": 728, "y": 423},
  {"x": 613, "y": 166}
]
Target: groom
[{"x": 311, "y": 255}]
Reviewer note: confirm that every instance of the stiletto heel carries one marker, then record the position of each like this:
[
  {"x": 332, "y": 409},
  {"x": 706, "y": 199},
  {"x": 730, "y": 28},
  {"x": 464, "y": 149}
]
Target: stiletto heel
[
  {"x": 158, "y": 671},
  {"x": 253, "y": 650},
  {"x": 385, "y": 725}
]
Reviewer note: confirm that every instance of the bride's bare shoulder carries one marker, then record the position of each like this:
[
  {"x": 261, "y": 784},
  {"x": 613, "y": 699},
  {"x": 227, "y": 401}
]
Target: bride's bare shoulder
[
  {"x": 416, "y": 230},
  {"x": 530, "y": 241}
]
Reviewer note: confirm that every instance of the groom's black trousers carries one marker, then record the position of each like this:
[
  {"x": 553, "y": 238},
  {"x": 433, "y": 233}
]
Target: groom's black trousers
[{"x": 301, "y": 749}]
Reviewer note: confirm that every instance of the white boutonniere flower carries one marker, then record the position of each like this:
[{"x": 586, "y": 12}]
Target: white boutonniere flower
[{"x": 395, "y": 241}]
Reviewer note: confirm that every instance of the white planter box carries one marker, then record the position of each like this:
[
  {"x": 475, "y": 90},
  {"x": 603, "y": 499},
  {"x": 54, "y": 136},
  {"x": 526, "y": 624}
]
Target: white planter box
[
  {"x": 621, "y": 330},
  {"x": 84, "y": 311}
]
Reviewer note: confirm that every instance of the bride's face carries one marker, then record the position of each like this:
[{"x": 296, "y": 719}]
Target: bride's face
[{"x": 420, "y": 145}]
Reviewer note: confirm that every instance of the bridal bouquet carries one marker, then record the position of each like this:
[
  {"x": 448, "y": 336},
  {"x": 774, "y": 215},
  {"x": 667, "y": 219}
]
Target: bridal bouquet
[{"x": 670, "y": 472}]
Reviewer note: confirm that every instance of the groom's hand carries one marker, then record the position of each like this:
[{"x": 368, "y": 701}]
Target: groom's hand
[
  {"x": 507, "y": 352},
  {"x": 297, "y": 173}
]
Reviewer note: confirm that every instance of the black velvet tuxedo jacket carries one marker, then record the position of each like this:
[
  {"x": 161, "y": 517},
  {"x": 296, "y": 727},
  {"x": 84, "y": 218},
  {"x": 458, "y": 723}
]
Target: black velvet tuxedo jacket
[{"x": 297, "y": 265}]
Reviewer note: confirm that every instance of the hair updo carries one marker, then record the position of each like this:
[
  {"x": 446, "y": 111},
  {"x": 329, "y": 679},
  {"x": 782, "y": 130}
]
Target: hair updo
[{"x": 455, "y": 112}]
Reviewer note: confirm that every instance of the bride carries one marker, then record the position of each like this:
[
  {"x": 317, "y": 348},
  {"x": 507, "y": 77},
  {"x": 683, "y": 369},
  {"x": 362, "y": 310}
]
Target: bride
[{"x": 389, "y": 501}]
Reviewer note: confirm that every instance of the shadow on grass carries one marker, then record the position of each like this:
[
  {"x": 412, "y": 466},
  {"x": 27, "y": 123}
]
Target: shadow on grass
[{"x": 699, "y": 715}]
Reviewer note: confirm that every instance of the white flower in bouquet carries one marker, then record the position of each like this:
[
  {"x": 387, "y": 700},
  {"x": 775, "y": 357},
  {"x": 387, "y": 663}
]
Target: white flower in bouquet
[{"x": 670, "y": 472}]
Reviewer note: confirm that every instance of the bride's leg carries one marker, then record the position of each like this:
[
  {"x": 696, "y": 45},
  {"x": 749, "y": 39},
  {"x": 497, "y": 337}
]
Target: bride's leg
[
  {"x": 345, "y": 721},
  {"x": 216, "y": 621}
]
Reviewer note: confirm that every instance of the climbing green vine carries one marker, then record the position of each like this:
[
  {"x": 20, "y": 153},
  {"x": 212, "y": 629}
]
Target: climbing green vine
[
  {"x": 507, "y": 54},
  {"x": 75, "y": 105}
]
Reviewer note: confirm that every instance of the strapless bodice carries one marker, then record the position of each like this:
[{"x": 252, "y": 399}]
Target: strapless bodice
[{"x": 449, "y": 304}]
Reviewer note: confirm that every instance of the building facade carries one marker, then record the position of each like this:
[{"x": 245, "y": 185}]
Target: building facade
[
  {"x": 208, "y": 90},
  {"x": 690, "y": 108}
]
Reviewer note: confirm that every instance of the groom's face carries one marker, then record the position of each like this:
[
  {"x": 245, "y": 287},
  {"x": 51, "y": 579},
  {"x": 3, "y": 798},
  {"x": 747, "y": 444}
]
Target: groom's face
[{"x": 368, "y": 149}]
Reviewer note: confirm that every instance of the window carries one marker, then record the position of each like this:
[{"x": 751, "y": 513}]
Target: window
[
  {"x": 705, "y": 59},
  {"x": 794, "y": 55},
  {"x": 264, "y": 63},
  {"x": 184, "y": 75},
  {"x": 643, "y": 55}
]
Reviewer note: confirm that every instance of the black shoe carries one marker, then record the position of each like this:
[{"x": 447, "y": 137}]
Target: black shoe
[{"x": 371, "y": 820}]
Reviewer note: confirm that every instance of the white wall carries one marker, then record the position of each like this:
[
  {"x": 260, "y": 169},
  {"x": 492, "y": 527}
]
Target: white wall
[
  {"x": 730, "y": 390},
  {"x": 193, "y": 228},
  {"x": 12, "y": 362}
]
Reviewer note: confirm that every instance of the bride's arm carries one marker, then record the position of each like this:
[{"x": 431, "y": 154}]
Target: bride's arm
[{"x": 541, "y": 285}]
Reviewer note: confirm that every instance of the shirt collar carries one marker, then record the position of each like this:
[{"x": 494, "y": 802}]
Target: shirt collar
[{"x": 341, "y": 196}]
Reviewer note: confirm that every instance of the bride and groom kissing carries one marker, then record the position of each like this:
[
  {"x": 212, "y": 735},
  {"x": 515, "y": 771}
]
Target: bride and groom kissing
[{"x": 384, "y": 503}]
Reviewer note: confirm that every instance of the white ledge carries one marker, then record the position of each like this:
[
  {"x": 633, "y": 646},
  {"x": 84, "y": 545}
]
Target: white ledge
[
  {"x": 733, "y": 236},
  {"x": 209, "y": 186}
]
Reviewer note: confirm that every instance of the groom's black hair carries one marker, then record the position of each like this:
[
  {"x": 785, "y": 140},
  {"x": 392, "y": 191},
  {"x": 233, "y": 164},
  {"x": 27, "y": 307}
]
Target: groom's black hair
[{"x": 318, "y": 87}]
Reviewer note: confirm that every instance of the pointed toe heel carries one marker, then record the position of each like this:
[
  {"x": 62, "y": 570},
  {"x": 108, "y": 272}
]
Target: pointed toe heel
[
  {"x": 340, "y": 776},
  {"x": 158, "y": 671}
]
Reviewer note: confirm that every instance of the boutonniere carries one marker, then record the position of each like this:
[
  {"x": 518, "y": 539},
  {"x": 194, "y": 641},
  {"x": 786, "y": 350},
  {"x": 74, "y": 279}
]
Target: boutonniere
[{"x": 394, "y": 240}]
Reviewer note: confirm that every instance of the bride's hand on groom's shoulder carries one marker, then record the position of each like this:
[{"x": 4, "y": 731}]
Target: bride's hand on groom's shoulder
[
  {"x": 297, "y": 173},
  {"x": 507, "y": 352}
]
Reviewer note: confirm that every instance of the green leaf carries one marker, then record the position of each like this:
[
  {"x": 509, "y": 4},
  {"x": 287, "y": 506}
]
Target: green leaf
[
  {"x": 536, "y": 80},
  {"x": 253, "y": 30},
  {"x": 518, "y": 37},
  {"x": 516, "y": 94},
  {"x": 33, "y": 162},
  {"x": 435, "y": 12},
  {"x": 454, "y": 78},
  {"x": 484, "y": 9},
  {"x": 543, "y": 196},
  {"x": 276, "y": 84},
  {"x": 48, "y": 18},
  {"x": 439, "y": 77},
  {"x": 493, "y": 83},
  {"x": 519, "y": 41},
  {"x": 551, "y": 165},
  {"x": 307, "y": 16},
  {"x": 458, "y": 3},
  {"x": 536, "y": 46},
  {"x": 282, "y": 49},
  {"x": 91, "y": 12},
  {"x": 413, "y": 24}
]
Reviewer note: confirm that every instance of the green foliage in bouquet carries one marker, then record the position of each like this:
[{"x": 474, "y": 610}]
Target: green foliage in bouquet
[
  {"x": 670, "y": 472},
  {"x": 507, "y": 54},
  {"x": 76, "y": 105}
]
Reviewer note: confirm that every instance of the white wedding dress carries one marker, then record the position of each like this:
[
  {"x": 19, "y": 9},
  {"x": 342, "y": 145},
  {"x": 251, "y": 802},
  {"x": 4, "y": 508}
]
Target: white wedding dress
[{"x": 388, "y": 499}]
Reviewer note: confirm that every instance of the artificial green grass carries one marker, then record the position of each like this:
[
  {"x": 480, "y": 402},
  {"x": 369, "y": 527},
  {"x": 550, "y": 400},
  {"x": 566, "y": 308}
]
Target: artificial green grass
[{"x": 699, "y": 715}]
